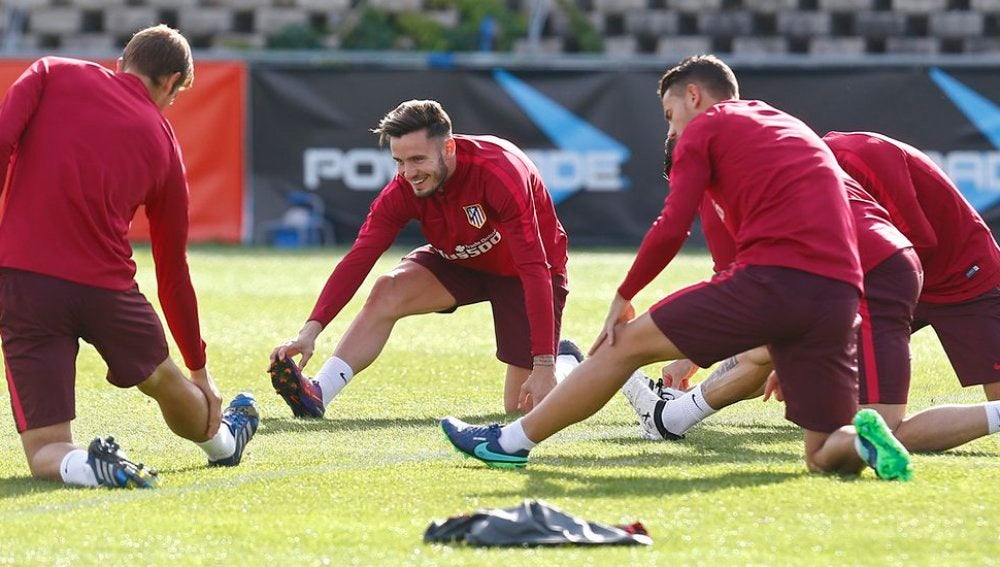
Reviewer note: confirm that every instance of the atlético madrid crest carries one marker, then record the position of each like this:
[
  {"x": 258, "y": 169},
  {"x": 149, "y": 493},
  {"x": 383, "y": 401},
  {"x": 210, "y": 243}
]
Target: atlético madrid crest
[{"x": 475, "y": 214}]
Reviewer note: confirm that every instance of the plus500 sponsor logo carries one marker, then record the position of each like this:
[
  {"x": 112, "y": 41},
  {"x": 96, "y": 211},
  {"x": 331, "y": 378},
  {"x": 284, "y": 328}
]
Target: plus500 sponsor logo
[
  {"x": 464, "y": 252},
  {"x": 363, "y": 169}
]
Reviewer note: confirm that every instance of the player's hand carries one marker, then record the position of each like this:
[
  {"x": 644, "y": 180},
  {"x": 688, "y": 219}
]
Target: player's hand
[
  {"x": 536, "y": 387},
  {"x": 677, "y": 374},
  {"x": 620, "y": 311},
  {"x": 773, "y": 388},
  {"x": 304, "y": 344},
  {"x": 203, "y": 380}
]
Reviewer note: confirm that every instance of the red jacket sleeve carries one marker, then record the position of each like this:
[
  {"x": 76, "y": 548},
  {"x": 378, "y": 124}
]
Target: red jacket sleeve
[
  {"x": 720, "y": 242},
  {"x": 386, "y": 217},
  {"x": 167, "y": 209},
  {"x": 16, "y": 110},
  {"x": 513, "y": 204},
  {"x": 689, "y": 178}
]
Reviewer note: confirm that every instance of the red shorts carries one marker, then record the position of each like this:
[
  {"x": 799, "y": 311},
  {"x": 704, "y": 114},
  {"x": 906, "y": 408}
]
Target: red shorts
[
  {"x": 809, "y": 323},
  {"x": 891, "y": 292},
  {"x": 970, "y": 334},
  {"x": 506, "y": 297},
  {"x": 41, "y": 321}
]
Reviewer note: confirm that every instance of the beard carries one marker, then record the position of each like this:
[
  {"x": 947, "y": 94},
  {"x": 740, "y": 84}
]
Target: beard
[{"x": 442, "y": 174}]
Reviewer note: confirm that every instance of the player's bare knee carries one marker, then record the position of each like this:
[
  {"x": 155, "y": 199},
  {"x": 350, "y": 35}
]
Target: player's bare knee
[{"x": 387, "y": 297}]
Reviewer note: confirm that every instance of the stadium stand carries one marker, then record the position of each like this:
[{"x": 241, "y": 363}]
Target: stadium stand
[{"x": 751, "y": 27}]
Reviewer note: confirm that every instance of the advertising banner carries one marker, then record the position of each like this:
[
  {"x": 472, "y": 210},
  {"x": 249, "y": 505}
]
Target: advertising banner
[
  {"x": 209, "y": 121},
  {"x": 597, "y": 137}
]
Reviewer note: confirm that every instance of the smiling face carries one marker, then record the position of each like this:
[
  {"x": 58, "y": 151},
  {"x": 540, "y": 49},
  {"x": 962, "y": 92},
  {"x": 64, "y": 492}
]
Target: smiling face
[{"x": 425, "y": 163}]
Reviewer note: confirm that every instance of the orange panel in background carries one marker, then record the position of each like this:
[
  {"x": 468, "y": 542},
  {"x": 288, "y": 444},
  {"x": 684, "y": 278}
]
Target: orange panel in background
[{"x": 209, "y": 122}]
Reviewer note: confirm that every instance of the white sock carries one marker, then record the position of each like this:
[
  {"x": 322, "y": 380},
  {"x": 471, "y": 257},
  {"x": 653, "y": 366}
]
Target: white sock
[
  {"x": 513, "y": 439},
  {"x": 332, "y": 378},
  {"x": 859, "y": 448},
  {"x": 221, "y": 446},
  {"x": 683, "y": 413},
  {"x": 76, "y": 471},
  {"x": 565, "y": 363},
  {"x": 993, "y": 416}
]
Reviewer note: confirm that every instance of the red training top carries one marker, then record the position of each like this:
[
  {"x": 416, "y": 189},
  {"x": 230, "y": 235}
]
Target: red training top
[
  {"x": 877, "y": 237},
  {"x": 85, "y": 147},
  {"x": 961, "y": 258},
  {"x": 493, "y": 214},
  {"x": 776, "y": 186}
]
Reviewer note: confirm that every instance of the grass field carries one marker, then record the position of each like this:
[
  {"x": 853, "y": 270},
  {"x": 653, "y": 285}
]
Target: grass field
[{"x": 361, "y": 486}]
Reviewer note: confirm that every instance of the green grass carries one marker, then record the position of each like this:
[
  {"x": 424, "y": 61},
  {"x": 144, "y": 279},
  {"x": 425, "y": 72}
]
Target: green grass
[{"x": 361, "y": 486}]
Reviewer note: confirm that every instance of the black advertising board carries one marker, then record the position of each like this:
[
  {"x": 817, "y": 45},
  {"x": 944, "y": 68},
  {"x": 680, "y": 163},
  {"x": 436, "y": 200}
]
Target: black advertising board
[{"x": 597, "y": 136}]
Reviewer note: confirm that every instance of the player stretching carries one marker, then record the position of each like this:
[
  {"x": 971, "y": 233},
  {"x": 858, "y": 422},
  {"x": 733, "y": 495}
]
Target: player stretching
[
  {"x": 493, "y": 236},
  {"x": 797, "y": 280},
  {"x": 960, "y": 299},
  {"x": 86, "y": 147}
]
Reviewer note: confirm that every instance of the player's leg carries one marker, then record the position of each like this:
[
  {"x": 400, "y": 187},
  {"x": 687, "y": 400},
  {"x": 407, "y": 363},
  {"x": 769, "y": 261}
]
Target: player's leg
[
  {"x": 947, "y": 426},
  {"x": 127, "y": 333},
  {"x": 970, "y": 335},
  {"x": 587, "y": 388},
  {"x": 818, "y": 378},
  {"x": 183, "y": 405},
  {"x": 513, "y": 381},
  {"x": 409, "y": 289},
  {"x": 418, "y": 284},
  {"x": 590, "y": 385},
  {"x": 39, "y": 328},
  {"x": 45, "y": 448},
  {"x": 737, "y": 378},
  {"x": 892, "y": 289}
]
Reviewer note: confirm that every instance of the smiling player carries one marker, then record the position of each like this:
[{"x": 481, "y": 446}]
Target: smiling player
[{"x": 492, "y": 236}]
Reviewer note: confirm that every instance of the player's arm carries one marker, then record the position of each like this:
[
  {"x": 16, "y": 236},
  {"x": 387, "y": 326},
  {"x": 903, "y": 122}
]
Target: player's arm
[
  {"x": 167, "y": 210},
  {"x": 689, "y": 178},
  {"x": 386, "y": 218},
  {"x": 16, "y": 110},
  {"x": 513, "y": 204},
  {"x": 721, "y": 244}
]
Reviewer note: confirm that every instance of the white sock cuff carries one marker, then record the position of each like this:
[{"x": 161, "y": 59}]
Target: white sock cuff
[
  {"x": 335, "y": 366},
  {"x": 222, "y": 446},
  {"x": 332, "y": 377},
  {"x": 993, "y": 416},
  {"x": 75, "y": 470},
  {"x": 514, "y": 439},
  {"x": 698, "y": 398}
]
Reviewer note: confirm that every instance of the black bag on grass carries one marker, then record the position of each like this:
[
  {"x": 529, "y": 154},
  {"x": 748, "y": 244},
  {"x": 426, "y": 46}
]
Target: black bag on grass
[{"x": 529, "y": 524}]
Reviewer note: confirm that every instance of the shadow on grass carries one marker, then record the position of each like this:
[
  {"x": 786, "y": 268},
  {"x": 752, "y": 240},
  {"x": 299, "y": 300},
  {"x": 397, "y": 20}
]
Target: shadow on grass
[
  {"x": 23, "y": 485},
  {"x": 275, "y": 425},
  {"x": 589, "y": 484}
]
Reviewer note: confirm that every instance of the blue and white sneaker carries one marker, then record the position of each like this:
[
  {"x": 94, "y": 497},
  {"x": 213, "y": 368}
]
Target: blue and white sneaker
[
  {"x": 482, "y": 443},
  {"x": 242, "y": 419},
  {"x": 568, "y": 347},
  {"x": 303, "y": 395},
  {"x": 113, "y": 469}
]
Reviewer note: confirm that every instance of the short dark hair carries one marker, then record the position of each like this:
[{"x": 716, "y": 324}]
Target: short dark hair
[
  {"x": 707, "y": 71},
  {"x": 158, "y": 52},
  {"x": 412, "y": 116}
]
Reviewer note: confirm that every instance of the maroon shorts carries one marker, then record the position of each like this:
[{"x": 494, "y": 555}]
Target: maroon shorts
[
  {"x": 970, "y": 334},
  {"x": 506, "y": 297},
  {"x": 41, "y": 321},
  {"x": 891, "y": 292},
  {"x": 809, "y": 323}
]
